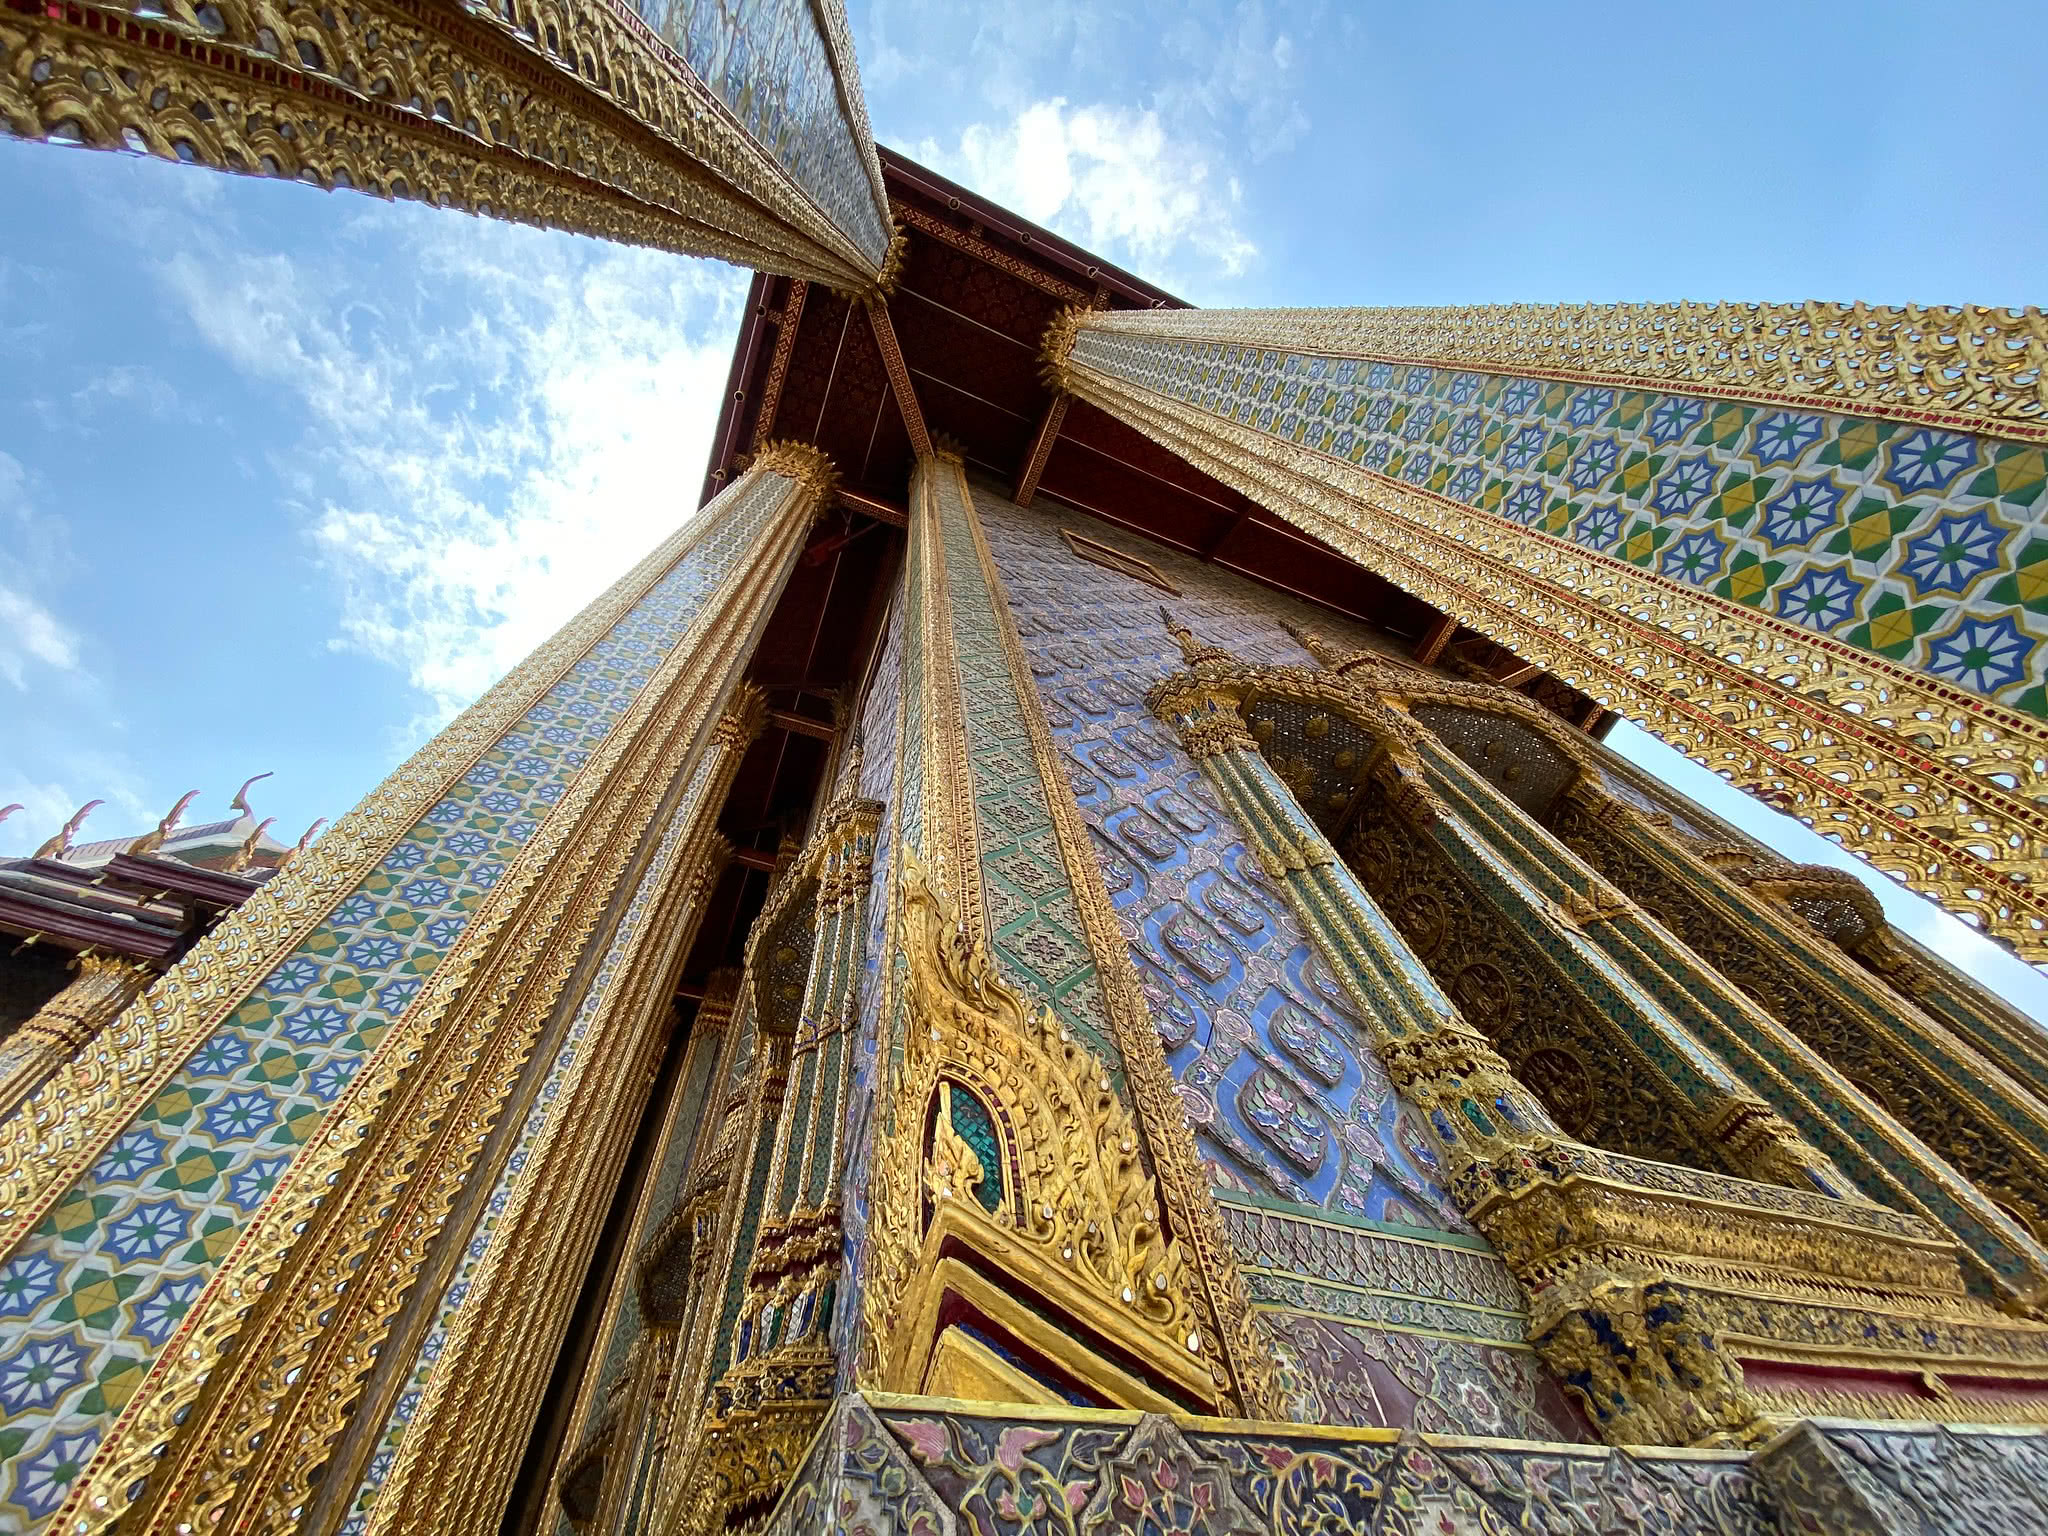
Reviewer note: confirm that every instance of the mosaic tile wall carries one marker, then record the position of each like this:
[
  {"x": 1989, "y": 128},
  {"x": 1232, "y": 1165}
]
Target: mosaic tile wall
[
  {"x": 616, "y": 955},
  {"x": 881, "y": 722},
  {"x": 1039, "y": 940},
  {"x": 1273, "y": 1064},
  {"x": 94, "y": 1293},
  {"x": 767, "y": 61},
  {"x": 1386, "y": 1309},
  {"x": 1923, "y": 545},
  {"x": 1382, "y": 1327},
  {"x": 903, "y": 1465}
]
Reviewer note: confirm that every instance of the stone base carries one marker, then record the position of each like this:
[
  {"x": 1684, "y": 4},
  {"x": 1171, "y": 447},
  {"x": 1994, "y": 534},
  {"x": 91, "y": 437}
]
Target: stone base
[
  {"x": 914, "y": 1466},
  {"x": 1832, "y": 1477}
]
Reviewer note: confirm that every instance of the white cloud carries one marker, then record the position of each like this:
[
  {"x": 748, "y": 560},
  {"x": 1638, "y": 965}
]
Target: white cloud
[
  {"x": 469, "y": 479},
  {"x": 1108, "y": 177},
  {"x": 31, "y": 634},
  {"x": 1237, "y": 70}
]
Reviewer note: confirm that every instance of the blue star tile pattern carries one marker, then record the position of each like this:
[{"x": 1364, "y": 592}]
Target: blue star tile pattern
[
  {"x": 36, "y": 1373},
  {"x": 1694, "y": 558},
  {"x": 1820, "y": 599},
  {"x": 1784, "y": 436},
  {"x": 149, "y": 1231},
  {"x": 45, "y": 1479},
  {"x": 1953, "y": 553},
  {"x": 1600, "y": 527},
  {"x": 1928, "y": 460},
  {"x": 161, "y": 1311},
  {"x": 25, "y": 1282},
  {"x": 1685, "y": 485},
  {"x": 1801, "y": 511},
  {"x": 1984, "y": 654},
  {"x": 1935, "y": 519},
  {"x": 165, "y": 1202}
]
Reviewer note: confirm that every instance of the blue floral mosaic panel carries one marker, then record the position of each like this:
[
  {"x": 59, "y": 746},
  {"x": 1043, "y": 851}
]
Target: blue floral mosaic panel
[
  {"x": 1273, "y": 1064},
  {"x": 767, "y": 61},
  {"x": 616, "y": 955},
  {"x": 1923, "y": 545},
  {"x": 93, "y": 1294}
]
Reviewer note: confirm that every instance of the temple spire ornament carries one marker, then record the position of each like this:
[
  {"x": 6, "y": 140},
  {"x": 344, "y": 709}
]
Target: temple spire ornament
[{"x": 149, "y": 842}]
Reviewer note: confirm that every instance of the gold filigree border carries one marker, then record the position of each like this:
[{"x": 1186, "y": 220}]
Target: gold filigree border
[
  {"x": 1977, "y": 368},
  {"x": 952, "y": 837}
]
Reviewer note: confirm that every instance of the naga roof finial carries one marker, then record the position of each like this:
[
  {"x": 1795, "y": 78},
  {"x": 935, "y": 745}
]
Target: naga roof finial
[
  {"x": 149, "y": 842},
  {"x": 241, "y": 800},
  {"x": 300, "y": 846},
  {"x": 246, "y": 854},
  {"x": 60, "y": 845}
]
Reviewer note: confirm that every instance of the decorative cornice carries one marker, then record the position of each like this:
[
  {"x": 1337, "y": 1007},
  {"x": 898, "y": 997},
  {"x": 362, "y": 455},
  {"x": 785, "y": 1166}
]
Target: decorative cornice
[
  {"x": 791, "y": 317},
  {"x": 930, "y": 224}
]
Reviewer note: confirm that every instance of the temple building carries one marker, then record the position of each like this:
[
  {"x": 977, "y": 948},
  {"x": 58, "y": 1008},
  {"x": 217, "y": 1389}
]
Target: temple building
[{"x": 1066, "y": 953}]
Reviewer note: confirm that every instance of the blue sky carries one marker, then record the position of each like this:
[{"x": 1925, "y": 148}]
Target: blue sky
[{"x": 286, "y": 478}]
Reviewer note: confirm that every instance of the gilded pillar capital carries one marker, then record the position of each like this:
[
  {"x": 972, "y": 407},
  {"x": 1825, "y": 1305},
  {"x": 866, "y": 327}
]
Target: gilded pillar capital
[
  {"x": 1056, "y": 350},
  {"x": 810, "y": 467},
  {"x": 745, "y": 714}
]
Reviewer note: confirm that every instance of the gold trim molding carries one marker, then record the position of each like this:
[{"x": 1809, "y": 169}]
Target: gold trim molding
[{"x": 1974, "y": 367}]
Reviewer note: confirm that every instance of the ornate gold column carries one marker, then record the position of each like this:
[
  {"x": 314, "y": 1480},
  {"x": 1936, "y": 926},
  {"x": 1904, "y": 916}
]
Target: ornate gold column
[
  {"x": 1523, "y": 470},
  {"x": 66, "y": 1025},
  {"x": 570, "y": 114},
  {"x": 457, "y": 1447},
  {"x": 764, "y": 1409},
  {"x": 612, "y": 1452},
  {"x": 978, "y": 819},
  {"x": 727, "y": 1202},
  {"x": 610, "y": 1428},
  {"x": 493, "y": 861},
  {"x": 1905, "y": 1064}
]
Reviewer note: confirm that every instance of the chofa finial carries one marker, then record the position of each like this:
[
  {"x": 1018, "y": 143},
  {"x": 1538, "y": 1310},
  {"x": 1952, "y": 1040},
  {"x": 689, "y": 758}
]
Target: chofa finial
[{"x": 241, "y": 800}]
